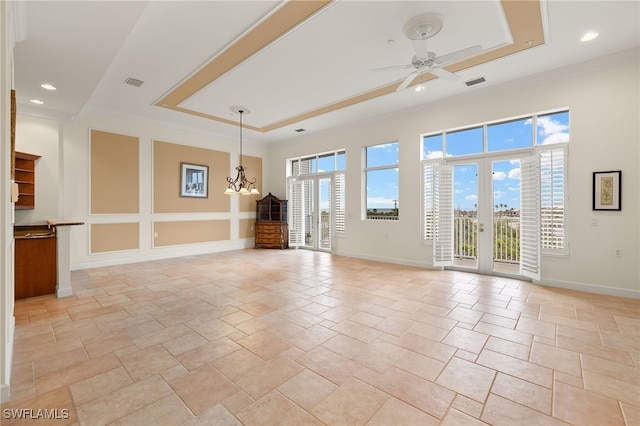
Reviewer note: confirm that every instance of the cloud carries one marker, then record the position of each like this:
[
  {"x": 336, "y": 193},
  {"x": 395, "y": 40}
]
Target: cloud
[
  {"x": 499, "y": 175},
  {"x": 513, "y": 188},
  {"x": 514, "y": 173},
  {"x": 498, "y": 194},
  {"x": 472, "y": 197},
  {"x": 552, "y": 131},
  {"x": 432, "y": 155},
  {"x": 379, "y": 202}
]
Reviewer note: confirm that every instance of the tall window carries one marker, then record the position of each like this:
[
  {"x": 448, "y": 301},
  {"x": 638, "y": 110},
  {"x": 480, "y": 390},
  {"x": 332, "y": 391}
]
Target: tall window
[
  {"x": 545, "y": 136},
  {"x": 381, "y": 174},
  {"x": 329, "y": 162}
]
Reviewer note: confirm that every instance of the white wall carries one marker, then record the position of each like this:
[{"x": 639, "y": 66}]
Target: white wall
[
  {"x": 603, "y": 98},
  {"x": 76, "y": 179},
  {"x": 39, "y": 136},
  {"x": 7, "y": 319}
]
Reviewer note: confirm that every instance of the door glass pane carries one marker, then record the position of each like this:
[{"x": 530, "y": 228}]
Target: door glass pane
[
  {"x": 465, "y": 215},
  {"x": 464, "y": 142},
  {"x": 510, "y": 135},
  {"x": 324, "y": 203},
  {"x": 308, "y": 193},
  {"x": 506, "y": 216}
]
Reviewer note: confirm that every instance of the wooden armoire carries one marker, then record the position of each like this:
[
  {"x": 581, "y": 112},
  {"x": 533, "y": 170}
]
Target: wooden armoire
[{"x": 271, "y": 227}]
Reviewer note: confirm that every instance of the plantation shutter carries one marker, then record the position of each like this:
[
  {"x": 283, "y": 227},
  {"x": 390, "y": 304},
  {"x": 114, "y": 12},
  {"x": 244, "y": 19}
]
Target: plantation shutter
[
  {"x": 552, "y": 200},
  {"x": 339, "y": 208},
  {"x": 442, "y": 190},
  {"x": 530, "y": 217},
  {"x": 428, "y": 211},
  {"x": 296, "y": 212}
]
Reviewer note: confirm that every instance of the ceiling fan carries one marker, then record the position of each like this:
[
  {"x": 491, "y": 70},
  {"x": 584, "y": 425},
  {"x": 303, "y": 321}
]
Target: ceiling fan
[{"x": 418, "y": 30}]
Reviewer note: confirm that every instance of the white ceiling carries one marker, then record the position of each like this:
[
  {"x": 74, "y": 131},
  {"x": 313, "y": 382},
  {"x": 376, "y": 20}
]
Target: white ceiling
[{"x": 87, "y": 49}]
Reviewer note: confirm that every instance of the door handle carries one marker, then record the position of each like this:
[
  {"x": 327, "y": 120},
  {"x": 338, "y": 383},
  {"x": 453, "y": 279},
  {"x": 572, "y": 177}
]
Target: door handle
[{"x": 481, "y": 227}]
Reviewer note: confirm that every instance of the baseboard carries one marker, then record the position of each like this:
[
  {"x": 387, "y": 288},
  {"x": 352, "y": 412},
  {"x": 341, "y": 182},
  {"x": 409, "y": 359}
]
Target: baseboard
[
  {"x": 591, "y": 288},
  {"x": 165, "y": 254},
  {"x": 394, "y": 260},
  {"x": 64, "y": 292},
  {"x": 5, "y": 388}
]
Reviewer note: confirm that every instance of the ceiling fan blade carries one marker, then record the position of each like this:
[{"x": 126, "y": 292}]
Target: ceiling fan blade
[
  {"x": 395, "y": 67},
  {"x": 407, "y": 81},
  {"x": 444, "y": 74},
  {"x": 458, "y": 55},
  {"x": 420, "y": 47}
]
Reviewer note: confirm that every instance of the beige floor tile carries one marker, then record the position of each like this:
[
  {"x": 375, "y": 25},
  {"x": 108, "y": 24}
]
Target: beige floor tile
[
  {"x": 217, "y": 415},
  {"x": 275, "y": 409},
  {"x": 307, "y": 389},
  {"x": 500, "y": 411},
  {"x": 467, "y": 378},
  {"x": 203, "y": 388},
  {"x": 457, "y": 418},
  {"x": 556, "y": 358},
  {"x": 237, "y": 362},
  {"x": 99, "y": 385},
  {"x": 396, "y": 412},
  {"x": 261, "y": 379},
  {"x": 353, "y": 402},
  {"x": 579, "y": 406},
  {"x": 525, "y": 393},
  {"x": 209, "y": 352},
  {"x": 297, "y": 331},
  {"x": 468, "y": 340},
  {"x": 534, "y": 373},
  {"x": 147, "y": 362},
  {"x": 422, "y": 394},
  {"x": 167, "y": 411},
  {"x": 328, "y": 364},
  {"x": 122, "y": 402}
]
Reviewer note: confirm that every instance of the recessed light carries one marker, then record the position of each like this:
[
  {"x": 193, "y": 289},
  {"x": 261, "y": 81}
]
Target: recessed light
[
  {"x": 48, "y": 86},
  {"x": 589, "y": 36},
  {"x": 420, "y": 88},
  {"x": 36, "y": 101}
]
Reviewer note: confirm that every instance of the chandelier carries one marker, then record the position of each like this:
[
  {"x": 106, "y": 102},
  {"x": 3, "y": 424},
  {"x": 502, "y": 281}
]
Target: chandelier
[{"x": 241, "y": 185}]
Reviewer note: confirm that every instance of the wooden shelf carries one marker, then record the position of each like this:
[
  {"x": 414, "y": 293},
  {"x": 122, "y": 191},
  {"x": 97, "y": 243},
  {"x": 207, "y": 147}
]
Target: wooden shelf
[{"x": 25, "y": 177}]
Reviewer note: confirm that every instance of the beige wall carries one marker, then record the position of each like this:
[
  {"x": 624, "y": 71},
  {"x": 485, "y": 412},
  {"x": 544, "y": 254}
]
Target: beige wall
[
  {"x": 110, "y": 237},
  {"x": 115, "y": 173},
  {"x": 190, "y": 232},
  {"x": 166, "y": 178}
]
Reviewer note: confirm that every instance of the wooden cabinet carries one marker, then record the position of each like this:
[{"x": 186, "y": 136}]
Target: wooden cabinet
[
  {"x": 271, "y": 227},
  {"x": 25, "y": 177},
  {"x": 35, "y": 261}
]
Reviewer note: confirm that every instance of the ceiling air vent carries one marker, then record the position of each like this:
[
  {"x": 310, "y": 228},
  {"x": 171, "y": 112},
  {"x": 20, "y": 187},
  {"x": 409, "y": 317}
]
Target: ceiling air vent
[
  {"x": 133, "y": 82},
  {"x": 475, "y": 81},
  {"x": 300, "y": 130}
]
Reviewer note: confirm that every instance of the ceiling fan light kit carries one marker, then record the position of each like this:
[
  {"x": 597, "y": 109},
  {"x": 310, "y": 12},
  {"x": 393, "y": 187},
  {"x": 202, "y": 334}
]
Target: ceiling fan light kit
[{"x": 419, "y": 29}]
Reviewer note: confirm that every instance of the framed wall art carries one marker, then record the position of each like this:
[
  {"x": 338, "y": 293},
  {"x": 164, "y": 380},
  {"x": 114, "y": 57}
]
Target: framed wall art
[
  {"x": 194, "y": 180},
  {"x": 607, "y": 190}
]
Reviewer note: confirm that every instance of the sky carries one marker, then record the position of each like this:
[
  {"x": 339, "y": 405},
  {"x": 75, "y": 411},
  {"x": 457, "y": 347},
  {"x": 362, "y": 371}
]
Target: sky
[{"x": 382, "y": 186}]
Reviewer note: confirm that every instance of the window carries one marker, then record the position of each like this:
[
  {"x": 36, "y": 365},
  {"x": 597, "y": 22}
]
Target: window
[
  {"x": 381, "y": 174},
  {"x": 549, "y": 146},
  {"x": 318, "y": 163}
]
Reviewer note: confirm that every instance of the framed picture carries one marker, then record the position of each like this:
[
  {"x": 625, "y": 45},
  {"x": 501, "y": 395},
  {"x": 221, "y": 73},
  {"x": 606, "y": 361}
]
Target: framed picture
[
  {"x": 194, "y": 180},
  {"x": 606, "y": 190}
]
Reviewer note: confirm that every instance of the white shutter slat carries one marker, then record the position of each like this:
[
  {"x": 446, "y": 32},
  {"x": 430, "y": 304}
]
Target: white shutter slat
[
  {"x": 296, "y": 212},
  {"x": 443, "y": 215},
  {"x": 530, "y": 218},
  {"x": 340, "y": 210}
]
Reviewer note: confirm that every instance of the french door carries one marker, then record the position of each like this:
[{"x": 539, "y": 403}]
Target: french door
[
  {"x": 311, "y": 201},
  {"x": 487, "y": 214}
]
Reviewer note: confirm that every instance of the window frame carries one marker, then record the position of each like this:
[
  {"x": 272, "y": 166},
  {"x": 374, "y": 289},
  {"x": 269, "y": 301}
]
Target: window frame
[{"x": 365, "y": 178}]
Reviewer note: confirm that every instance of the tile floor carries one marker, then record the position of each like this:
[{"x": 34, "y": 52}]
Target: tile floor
[{"x": 263, "y": 337}]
